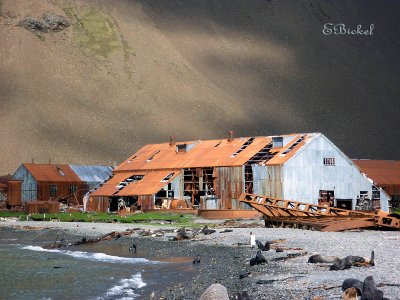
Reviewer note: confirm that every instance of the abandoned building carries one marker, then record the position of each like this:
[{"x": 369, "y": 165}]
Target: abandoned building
[
  {"x": 58, "y": 181},
  {"x": 385, "y": 174},
  {"x": 210, "y": 175},
  {"x": 10, "y": 191}
]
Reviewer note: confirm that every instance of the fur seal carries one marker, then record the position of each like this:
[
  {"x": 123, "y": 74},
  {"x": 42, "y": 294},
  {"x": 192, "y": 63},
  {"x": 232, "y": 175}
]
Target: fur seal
[
  {"x": 262, "y": 247},
  {"x": 351, "y": 260},
  {"x": 133, "y": 247},
  {"x": 370, "y": 292},
  {"x": 318, "y": 258},
  {"x": 353, "y": 283},
  {"x": 259, "y": 259},
  {"x": 197, "y": 259}
]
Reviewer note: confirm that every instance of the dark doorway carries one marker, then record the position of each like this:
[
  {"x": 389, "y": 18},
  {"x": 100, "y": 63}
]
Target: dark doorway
[{"x": 344, "y": 203}]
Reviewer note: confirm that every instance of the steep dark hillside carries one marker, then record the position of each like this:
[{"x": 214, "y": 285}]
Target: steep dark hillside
[{"x": 127, "y": 73}]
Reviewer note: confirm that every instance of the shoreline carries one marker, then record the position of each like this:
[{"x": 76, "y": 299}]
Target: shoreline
[{"x": 226, "y": 255}]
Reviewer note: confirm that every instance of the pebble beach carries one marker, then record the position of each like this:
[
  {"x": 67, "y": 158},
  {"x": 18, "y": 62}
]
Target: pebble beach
[{"x": 226, "y": 255}]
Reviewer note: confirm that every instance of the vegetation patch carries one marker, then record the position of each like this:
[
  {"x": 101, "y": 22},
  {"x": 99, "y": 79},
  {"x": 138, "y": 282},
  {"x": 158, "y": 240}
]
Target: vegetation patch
[
  {"x": 94, "y": 31},
  {"x": 151, "y": 217}
]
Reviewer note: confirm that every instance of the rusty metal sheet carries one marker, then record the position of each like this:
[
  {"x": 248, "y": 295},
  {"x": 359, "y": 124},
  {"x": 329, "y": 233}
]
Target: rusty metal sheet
[
  {"x": 14, "y": 192},
  {"x": 384, "y": 173},
  {"x": 3, "y": 186},
  {"x": 150, "y": 184},
  {"x": 109, "y": 188},
  {"x": 52, "y": 172},
  {"x": 209, "y": 153},
  {"x": 40, "y": 207}
]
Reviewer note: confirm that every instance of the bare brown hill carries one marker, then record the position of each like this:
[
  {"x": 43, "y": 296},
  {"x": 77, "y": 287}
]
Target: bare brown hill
[{"x": 127, "y": 73}]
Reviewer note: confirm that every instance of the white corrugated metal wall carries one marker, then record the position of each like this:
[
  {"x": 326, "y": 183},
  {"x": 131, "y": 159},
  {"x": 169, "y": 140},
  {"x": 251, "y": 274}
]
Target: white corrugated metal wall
[{"x": 305, "y": 174}]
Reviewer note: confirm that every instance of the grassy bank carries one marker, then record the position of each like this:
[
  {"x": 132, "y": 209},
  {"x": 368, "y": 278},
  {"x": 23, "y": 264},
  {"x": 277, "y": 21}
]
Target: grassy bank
[{"x": 184, "y": 220}]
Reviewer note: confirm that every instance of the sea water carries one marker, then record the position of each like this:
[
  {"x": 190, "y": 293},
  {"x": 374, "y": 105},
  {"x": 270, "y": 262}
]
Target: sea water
[{"x": 103, "y": 270}]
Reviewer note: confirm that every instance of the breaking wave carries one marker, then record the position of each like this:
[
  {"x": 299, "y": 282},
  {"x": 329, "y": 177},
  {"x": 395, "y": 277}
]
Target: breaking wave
[
  {"x": 93, "y": 256},
  {"x": 125, "y": 288}
]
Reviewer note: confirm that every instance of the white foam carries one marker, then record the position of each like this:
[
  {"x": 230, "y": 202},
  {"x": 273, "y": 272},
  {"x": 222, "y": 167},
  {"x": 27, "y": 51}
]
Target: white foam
[
  {"x": 93, "y": 256},
  {"x": 125, "y": 287}
]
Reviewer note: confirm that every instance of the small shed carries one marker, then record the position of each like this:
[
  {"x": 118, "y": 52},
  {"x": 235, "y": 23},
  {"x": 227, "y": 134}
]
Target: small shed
[
  {"x": 386, "y": 176},
  {"x": 10, "y": 191}
]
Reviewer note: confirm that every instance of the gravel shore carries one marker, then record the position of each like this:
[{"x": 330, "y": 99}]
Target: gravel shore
[{"x": 226, "y": 255}]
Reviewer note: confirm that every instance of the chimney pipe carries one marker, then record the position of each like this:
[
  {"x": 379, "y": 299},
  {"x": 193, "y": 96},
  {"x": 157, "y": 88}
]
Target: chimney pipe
[
  {"x": 33, "y": 161},
  {"x": 49, "y": 161},
  {"x": 171, "y": 140},
  {"x": 230, "y": 136}
]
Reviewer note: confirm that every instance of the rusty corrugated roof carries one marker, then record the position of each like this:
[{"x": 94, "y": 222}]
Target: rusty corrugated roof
[
  {"x": 209, "y": 153},
  {"x": 52, "y": 172},
  {"x": 150, "y": 184},
  {"x": 109, "y": 188},
  {"x": 382, "y": 172}
]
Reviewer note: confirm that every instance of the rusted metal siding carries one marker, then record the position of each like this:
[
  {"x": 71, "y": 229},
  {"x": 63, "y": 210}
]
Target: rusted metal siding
[
  {"x": 146, "y": 202},
  {"x": 14, "y": 192},
  {"x": 98, "y": 204},
  {"x": 267, "y": 180},
  {"x": 228, "y": 186},
  {"x": 41, "y": 207},
  {"x": 63, "y": 191}
]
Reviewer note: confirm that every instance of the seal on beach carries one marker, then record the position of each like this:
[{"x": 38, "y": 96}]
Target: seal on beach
[
  {"x": 351, "y": 260},
  {"x": 318, "y": 258},
  {"x": 370, "y": 292},
  {"x": 197, "y": 259},
  {"x": 350, "y": 294},
  {"x": 262, "y": 247},
  {"x": 353, "y": 283},
  {"x": 206, "y": 230},
  {"x": 133, "y": 247},
  {"x": 258, "y": 260}
]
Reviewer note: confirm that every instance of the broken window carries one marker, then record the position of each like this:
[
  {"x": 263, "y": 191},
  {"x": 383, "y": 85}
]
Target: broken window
[
  {"x": 326, "y": 197},
  {"x": 329, "y": 161},
  {"x": 248, "y": 179},
  {"x": 244, "y": 146},
  {"x": 151, "y": 157},
  {"x": 60, "y": 171},
  {"x": 293, "y": 145},
  {"x": 264, "y": 155},
  {"x": 208, "y": 181},
  {"x": 168, "y": 177},
  {"x": 73, "y": 188},
  {"x": 133, "y": 178},
  {"x": 52, "y": 190}
]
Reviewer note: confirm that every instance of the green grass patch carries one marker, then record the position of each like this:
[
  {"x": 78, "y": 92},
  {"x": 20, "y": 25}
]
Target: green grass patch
[
  {"x": 104, "y": 217},
  {"x": 9, "y": 214},
  {"x": 94, "y": 31}
]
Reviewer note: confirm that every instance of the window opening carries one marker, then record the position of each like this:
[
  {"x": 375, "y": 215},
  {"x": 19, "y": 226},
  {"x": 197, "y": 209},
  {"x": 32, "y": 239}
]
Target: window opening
[
  {"x": 151, "y": 157},
  {"x": 248, "y": 179},
  {"x": 326, "y": 198},
  {"x": 264, "y": 155},
  {"x": 329, "y": 161},
  {"x": 73, "y": 188},
  {"x": 293, "y": 145},
  {"x": 244, "y": 146},
  {"x": 133, "y": 178},
  {"x": 53, "y": 190},
  {"x": 168, "y": 177},
  {"x": 60, "y": 171}
]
